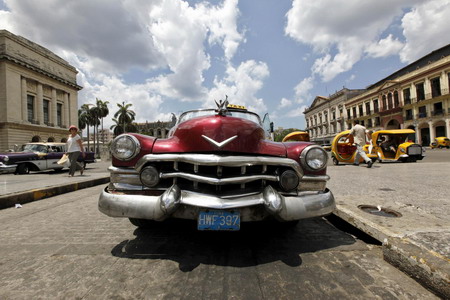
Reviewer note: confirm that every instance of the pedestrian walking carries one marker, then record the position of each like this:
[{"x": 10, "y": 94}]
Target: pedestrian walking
[
  {"x": 74, "y": 147},
  {"x": 360, "y": 134}
]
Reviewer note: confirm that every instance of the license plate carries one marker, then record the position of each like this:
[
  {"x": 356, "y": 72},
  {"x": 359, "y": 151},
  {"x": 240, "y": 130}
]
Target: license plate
[{"x": 219, "y": 220}]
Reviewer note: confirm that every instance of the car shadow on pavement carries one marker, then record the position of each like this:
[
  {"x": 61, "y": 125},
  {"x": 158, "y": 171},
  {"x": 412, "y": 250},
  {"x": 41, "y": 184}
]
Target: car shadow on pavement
[{"x": 255, "y": 244}]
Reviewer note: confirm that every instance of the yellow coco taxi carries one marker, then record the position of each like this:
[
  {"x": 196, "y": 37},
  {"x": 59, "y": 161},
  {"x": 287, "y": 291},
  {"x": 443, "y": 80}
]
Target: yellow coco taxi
[
  {"x": 297, "y": 136},
  {"x": 440, "y": 142},
  {"x": 395, "y": 145},
  {"x": 343, "y": 149}
]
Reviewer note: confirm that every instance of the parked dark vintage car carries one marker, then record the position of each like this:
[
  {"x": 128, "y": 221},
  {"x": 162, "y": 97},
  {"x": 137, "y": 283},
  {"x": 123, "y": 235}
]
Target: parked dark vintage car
[
  {"x": 216, "y": 167},
  {"x": 37, "y": 157}
]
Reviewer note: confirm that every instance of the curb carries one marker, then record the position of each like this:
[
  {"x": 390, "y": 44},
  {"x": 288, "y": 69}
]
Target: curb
[
  {"x": 10, "y": 200},
  {"x": 425, "y": 266},
  {"x": 431, "y": 271}
]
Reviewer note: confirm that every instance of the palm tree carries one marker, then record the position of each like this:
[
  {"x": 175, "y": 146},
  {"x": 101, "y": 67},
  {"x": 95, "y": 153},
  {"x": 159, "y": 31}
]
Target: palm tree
[
  {"x": 116, "y": 128},
  {"x": 95, "y": 121},
  {"x": 85, "y": 118},
  {"x": 124, "y": 115},
  {"x": 103, "y": 112}
]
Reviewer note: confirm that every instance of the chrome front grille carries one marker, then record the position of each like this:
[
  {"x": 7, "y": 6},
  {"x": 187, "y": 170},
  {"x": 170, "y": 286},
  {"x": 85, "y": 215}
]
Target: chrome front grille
[
  {"x": 209, "y": 173},
  {"x": 414, "y": 150}
]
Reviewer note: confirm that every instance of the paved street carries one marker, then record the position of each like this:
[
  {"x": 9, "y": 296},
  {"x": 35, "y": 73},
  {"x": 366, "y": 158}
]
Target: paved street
[{"x": 62, "y": 247}]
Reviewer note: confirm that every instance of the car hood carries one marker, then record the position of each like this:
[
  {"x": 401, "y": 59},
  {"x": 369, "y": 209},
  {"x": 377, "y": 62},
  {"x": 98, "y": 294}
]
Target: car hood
[{"x": 219, "y": 134}]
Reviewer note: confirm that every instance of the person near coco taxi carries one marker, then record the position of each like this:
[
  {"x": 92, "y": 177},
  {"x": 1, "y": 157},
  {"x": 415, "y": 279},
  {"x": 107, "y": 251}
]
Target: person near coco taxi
[
  {"x": 360, "y": 134},
  {"x": 74, "y": 148}
]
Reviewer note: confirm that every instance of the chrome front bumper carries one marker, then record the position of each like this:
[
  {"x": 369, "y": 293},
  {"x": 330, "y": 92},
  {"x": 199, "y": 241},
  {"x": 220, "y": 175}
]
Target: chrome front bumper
[
  {"x": 178, "y": 203},
  {"x": 7, "y": 168}
]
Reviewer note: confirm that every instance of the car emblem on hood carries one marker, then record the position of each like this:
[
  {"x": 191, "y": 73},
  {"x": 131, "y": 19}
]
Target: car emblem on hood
[{"x": 221, "y": 144}]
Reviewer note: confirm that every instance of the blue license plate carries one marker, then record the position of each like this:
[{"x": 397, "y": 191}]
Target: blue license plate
[{"x": 218, "y": 220}]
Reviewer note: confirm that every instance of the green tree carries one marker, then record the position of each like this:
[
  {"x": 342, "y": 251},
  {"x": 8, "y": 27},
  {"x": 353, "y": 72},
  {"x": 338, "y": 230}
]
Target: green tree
[
  {"x": 85, "y": 119},
  {"x": 103, "y": 112},
  {"x": 124, "y": 116},
  {"x": 95, "y": 122}
]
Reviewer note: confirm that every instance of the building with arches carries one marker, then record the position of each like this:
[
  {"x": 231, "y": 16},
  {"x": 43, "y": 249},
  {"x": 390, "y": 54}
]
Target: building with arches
[
  {"x": 326, "y": 116},
  {"x": 416, "y": 97},
  {"x": 38, "y": 93}
]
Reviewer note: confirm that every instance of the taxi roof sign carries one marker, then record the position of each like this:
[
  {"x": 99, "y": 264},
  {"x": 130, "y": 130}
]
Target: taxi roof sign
[{"x": 236, "y": 106}]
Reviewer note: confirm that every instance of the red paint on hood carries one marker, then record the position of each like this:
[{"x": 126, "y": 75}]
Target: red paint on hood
[{"x": 188, "y": 137}]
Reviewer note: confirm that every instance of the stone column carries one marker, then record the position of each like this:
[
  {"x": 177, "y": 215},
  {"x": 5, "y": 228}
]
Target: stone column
[
  {"x": 53, "y": 110},
  {"x": 418, "y": 135},
  {"x": 427, "y": 88},
  {"x": 447, "y": 129},
  {"x": 24, "y": 100},
  {"x": 66, "y": 120},
  {"x": 40, "y": 104},
  {"x": 444, "y": 82},
  {"x": 432, "y": 134}
]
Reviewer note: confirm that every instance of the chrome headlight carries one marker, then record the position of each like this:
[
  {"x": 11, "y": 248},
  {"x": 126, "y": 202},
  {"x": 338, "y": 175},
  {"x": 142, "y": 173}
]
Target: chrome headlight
[
  {"x": 5, "y": 158},
  {"x": 314, "y": 158},
  {"x": 125, "y": 147}
]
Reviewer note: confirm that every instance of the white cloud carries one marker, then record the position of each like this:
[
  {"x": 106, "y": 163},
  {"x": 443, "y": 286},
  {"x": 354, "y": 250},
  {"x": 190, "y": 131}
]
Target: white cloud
[
  {"x": 425, "y": 29},
  {"x": 241, "y": 85},
  {"x": 343, "y": 36},
  {"x": 284, "y": 103},
  {"x": 294, "y": 113},
  {"x": 385, "y": 47},
  {"x": 105, "y": 39},
  {"x": 302, "y": 90}
]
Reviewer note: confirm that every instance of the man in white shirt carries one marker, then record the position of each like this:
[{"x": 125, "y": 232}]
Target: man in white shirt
[{"x": 360, "y": 134}]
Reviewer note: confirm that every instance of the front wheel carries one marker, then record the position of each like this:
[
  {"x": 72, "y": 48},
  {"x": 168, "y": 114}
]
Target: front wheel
[
  {"x": 335, "y": 161},
  {"x": 23, "y": 169}
]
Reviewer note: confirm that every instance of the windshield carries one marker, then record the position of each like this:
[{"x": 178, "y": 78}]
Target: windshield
[
  {"x": 211, "y": 112},
  {"x": 34, "y": 148}
]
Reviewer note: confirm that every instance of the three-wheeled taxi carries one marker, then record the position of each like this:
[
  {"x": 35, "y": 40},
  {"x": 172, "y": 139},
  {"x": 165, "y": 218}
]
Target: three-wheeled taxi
[
  {"x": 395, "y": 145},
  {"x": 440, "y": 142},
  {"x": 296, "y": 136},
  {"x": 343, "y": 149}
]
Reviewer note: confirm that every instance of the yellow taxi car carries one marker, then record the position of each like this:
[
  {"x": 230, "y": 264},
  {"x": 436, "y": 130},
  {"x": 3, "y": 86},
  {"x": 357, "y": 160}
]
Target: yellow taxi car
[
  {"x": 395, "y": 145},
  {"x": 440, "y": 142},
  {"x": 343, "y": 149},
  {"x": 297, "y": 136}
]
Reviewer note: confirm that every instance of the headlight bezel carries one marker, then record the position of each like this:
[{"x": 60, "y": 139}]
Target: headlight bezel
[
  {"x": 304, "y": 158},
  {"x": 136, "y": 145}
]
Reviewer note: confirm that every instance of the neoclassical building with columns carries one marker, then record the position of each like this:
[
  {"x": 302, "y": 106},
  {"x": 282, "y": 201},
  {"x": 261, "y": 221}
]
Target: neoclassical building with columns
[
  {"x": 38, "y": 93},
  {"x": 327, "y": 115},
  {"x": 416, "y": 97}
]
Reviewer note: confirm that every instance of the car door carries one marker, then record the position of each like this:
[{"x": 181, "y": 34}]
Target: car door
[{"x": 54, "y": 155}]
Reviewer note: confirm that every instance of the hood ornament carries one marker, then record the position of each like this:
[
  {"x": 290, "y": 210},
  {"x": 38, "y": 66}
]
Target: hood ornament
[
  {"x": 222, "y": 106},
  {"x": 217, "y": 144}
]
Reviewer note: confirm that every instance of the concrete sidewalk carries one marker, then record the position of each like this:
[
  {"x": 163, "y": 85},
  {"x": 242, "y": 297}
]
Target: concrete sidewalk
[
  {"x": 417, "y": 240},
  {"x": 21, "y": 189}
]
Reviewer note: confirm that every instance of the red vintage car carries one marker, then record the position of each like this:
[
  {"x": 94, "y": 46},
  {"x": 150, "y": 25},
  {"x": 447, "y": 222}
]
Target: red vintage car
[{"x": 218, "y": 168}]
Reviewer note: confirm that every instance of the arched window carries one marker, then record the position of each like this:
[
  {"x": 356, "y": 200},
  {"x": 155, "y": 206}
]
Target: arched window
[
  {"x": 384, "y": 102},
  {"x": 36, "y": 139},
  {"x": 51, "y": 139}
]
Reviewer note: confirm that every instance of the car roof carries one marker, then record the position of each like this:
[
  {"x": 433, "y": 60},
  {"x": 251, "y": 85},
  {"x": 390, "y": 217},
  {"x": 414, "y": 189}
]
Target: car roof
[{"x": 46, "y": 143}]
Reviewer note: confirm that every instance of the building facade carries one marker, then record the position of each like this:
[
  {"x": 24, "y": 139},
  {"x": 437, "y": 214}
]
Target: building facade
[
  {"x": 327, "y": 115},
  {"x": 38, "y": 93},
  {"x": 415, "y": 97}
]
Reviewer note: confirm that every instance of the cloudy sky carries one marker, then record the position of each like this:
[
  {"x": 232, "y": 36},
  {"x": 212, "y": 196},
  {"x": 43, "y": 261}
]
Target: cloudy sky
[{"x": 275, "y": 56}]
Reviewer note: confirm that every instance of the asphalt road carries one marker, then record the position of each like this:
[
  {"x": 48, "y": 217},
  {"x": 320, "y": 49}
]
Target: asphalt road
[{"x": 64, "y": 248}]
